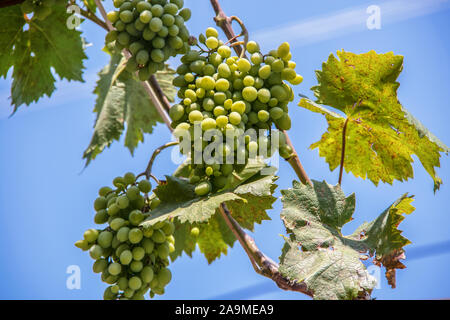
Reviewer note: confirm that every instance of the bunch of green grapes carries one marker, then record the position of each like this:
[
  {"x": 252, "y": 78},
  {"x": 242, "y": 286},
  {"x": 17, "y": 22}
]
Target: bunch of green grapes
[
  {"x": 151, "y": 30},
  {"x": 41, "y": 9},
  {"x": 131, "y": 259},
  {"x": 233, "y": 94}
]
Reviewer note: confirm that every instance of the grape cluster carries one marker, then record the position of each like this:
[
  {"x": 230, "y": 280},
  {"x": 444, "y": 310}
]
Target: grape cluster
[
  {"x": 41, "y": 9},
  {"x": 131, "y": 259},
  {"x": 151, "y": 30},
  {"x": 233, "y": 94}
]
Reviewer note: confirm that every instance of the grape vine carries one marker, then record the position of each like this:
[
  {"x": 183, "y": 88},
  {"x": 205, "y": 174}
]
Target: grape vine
[{"x": 232, "y": 115}]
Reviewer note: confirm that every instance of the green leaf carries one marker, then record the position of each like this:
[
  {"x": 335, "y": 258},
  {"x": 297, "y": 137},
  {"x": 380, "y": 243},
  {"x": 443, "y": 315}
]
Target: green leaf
[
  {"x": 381, "y": 134},
  {"x": 247, "y": 203},
  {"x": 121, "y": 99},
  {"x": 35, "y": 51},
  {"x": 317, "y": 253}
]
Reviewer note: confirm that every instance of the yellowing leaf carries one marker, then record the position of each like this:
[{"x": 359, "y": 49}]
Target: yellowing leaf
[{"x": 382, "y": 136}]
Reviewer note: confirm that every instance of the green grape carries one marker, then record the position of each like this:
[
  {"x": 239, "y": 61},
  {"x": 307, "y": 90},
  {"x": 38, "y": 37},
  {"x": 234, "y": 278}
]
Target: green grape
[
  {"x": 100, "y": 265},
  {"x": 82, "y": 244},
  {"x": 96, "y": 252},
  {"x": 284, "y": 122},
  {"x": 114, "y": 268},
  {"x": 136, "y": 217},
  {"x": 224, "y": 51},
  {"x": 252, "y": 47},
  {"x": 212, "y": 43},
  {"x": 283, "y": 50},
  {"x": 203, "y": 188},
  {"x": 113, "y": 209},
  {"x": 90, "y": 235},
  {"x": 163, "y": 250},
  {"x": 117, "y": 223},
  {"x": 147, "y": 274},
  {"x": 135, "y": 283},
  {"x": 105, "y": 239},
  {"x": 122, "y": 234},
  {"x": 135, "y": 235},
  {"x": 276, "y": 113},
  {"x": 212, "y": 32},
  {"x": 148, "y": 245},
  {"x": 138, "y": 253},
  {"x": 195, "y": 232},
  {"x": 250, "y": 94},
  {"x": 141, "y": 6},
  {"x": 136, "y": 266},
  {"x": 168, "y": 228},
  {"x": 158, "y": 236},
  {"x": 263, "y": 115},
  {"x": 244, "y": 65},
  {"x": 126, "y": 257},
  {"x": 145, "y": 186},
  {"x": 185, "y": 14},
  {"x": 122, "y": 201},
  {"x": 234, "y": 118},
  {"x": 265, "y": 71},
  {"x": 100, "y": 203},
  {"x": 101, "y": 217},
  {"x": 164, "y": 276},
  {"x": 132, "y": 193},
  {"x": 104, "y": 191}
]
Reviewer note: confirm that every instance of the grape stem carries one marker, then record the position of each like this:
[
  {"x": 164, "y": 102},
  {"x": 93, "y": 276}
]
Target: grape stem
[
  {"x": 262, "y": 264},
  {"x": 148, "y": 170},
  {"x": 150, "y": 87}
]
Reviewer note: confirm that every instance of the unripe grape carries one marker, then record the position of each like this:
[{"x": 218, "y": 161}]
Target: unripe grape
[
  {"x": 145, "y": 186},
  {"x": 135, "y": 235},
  {"x": 138, "y": 253},
  {"x": 117, "y": 223},
  {"x": 224, "y": 51},
  {"x": 96, "y": 252},
  {"x": 90, "y": 235},
  {"x": 100, "y": 203},
  {"x": 265, "y": 71},
  {"x": 104, "y": 239},
  {"x": 234, "y": 118},
  {"x": 147, "y": 274},
  {"x": 250, "y": 94},
  {"x": 203, "y": 188},
  {"x": 135, "y": 283},
  {"x": 136, "y": 266},
  {"x": 122, "y": 234},
  {"x": 164, "y": 276},
  {"x": 114, "y": 268},
  {"x": 244, "y": 65},
  {"x": 212, "y": 43},
  {"x": 185, "y": 14},
  {"x": 252, "y": 47},
  {"x": 100, "y": 265}
]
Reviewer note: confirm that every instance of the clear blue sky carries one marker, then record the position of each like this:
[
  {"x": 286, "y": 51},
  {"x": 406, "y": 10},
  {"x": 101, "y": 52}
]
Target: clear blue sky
[{"x": 46, "y": 198}]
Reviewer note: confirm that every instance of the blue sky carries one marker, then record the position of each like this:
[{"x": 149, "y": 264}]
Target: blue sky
[{"x": 46, "y": 197}]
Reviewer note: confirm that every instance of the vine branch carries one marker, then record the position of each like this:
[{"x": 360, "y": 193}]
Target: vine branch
[
  {"x": 262, "y": 264},
  {"x": 148, "y": 170}
]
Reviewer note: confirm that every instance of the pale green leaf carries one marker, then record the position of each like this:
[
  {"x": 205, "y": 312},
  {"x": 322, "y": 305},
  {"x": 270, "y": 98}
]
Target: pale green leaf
[
  {"x": 247, "y": 203},
  {"x": 317, "y": 253}
]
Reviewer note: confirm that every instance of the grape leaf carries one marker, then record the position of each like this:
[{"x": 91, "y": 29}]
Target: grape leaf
[
  {"x": 381, "y": 134},
  {"x": 121, "y": 100},
  {"x": 317, "y": 253},
  {"x": 247, "y": 203},
  {"x": 34, "y": 49}
]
